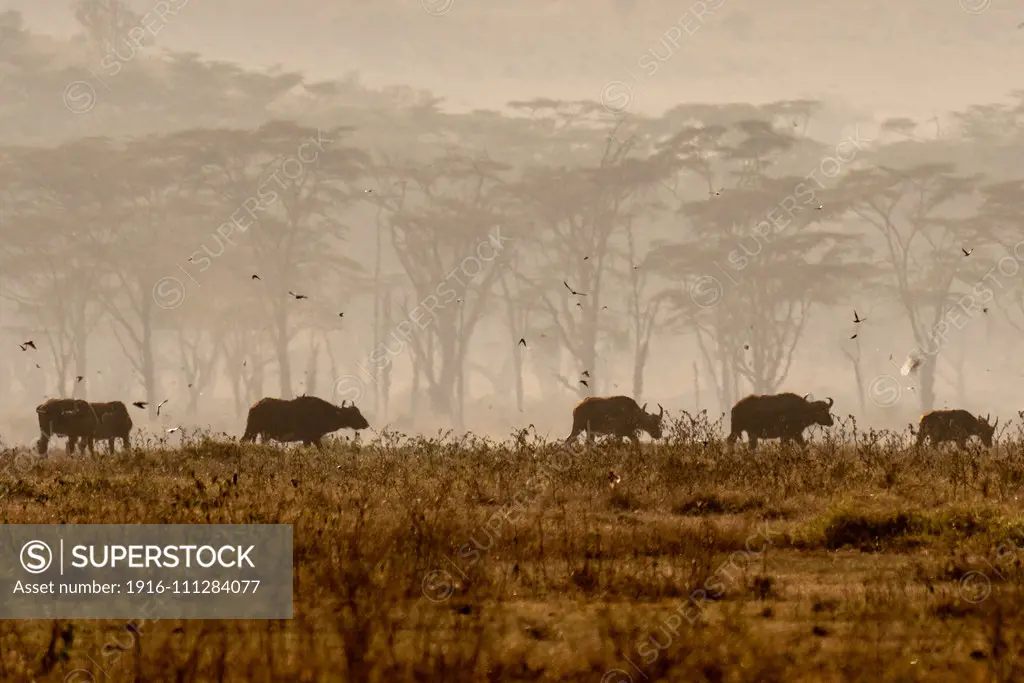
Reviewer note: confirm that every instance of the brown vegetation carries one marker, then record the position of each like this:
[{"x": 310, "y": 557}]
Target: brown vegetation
[{"x": 459, "y": 559}]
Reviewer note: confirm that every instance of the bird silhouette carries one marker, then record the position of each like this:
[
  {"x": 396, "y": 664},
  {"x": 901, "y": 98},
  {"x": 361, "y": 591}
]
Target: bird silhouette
[
  {"x": 256, "y": 277},
  {"x": 141, "y": 405},
  {"x": 856, "y": 318},
  {"x": 341, "y": 315},
  {"x": 297, "y": 296},
  {"x": 161, "y": 405},
  {"x": 79, "y": 378},
  {"x": 522, "y": 342},
  {"x": 573, "y": 291},
  {"x": 584, "y": 382},
  {"x": 966, "y": 253},
  {"x": 854, "y": 336},
  {"x": 585, "y": 373},
  {"x": 28, "y": 345}
]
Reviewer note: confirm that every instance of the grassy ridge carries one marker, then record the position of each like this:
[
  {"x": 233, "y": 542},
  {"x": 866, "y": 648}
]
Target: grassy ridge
[{"x": 861, "y": 559}]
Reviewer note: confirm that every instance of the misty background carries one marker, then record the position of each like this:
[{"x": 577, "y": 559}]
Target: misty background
[{"x": 634, "y": 150}]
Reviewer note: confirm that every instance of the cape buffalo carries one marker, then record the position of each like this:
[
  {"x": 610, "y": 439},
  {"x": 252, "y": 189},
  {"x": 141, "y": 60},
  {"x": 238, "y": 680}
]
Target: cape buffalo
[
  {"x": 955, "y": 425},
  {"x": 82, "y": 422},
  {"x": 305, "y": 418},
  {"x": 114, "y": 423},
  {"x": 619, "y": 416},
  {"x": 778, "y": 416}
]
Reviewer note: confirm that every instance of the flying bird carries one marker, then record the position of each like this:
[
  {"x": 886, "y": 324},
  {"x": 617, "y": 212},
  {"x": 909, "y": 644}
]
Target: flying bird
[
  {"x": 79, "y": 378},
  {"x": 573, "y": 291},
  {"x": 522, "y": 342},
  {"x": 586, "y": 258},
  {"x": 297, "y": 296},
  {"x": 854, "y": 336},
  {"x": 584, "y": 382},
  {"x": 173, "y": 429},
  {"x": 141, "y": 405},
  {"x": 966, "y": 253},
  {"x": 161, "y": 405},
  {"x": 911, "y": 364},
  {"x": 29, "y": 344},
  {"x": 341, "y": 315},
  {"x": 585, "y": 373},
  {"x": 857, "y": 318},
  {"x": 256, "y": 277}
]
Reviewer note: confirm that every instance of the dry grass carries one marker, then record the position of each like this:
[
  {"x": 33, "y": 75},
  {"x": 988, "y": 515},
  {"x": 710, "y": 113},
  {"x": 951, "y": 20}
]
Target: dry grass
[{"x": 450, "y": 559}]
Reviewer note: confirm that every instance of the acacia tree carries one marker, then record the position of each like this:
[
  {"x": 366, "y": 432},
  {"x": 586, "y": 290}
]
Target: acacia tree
[
  {"x": 643, "y": 314},
  {"x": 450, "y": 222},
  {"x": 756, "y": 270},
  {"x": 52, "y": 277},
  {"x": 914, "y": 211},
  {"x": 580, "y": 215},
  {"x": 282, "y": 187},
  {"x": 142, "y": 191}
]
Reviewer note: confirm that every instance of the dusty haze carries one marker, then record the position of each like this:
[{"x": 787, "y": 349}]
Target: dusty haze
[{"x": 122, "y": 161}]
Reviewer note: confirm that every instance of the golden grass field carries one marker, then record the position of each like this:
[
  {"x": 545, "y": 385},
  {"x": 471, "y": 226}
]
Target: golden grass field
[{"x": 460, "y": 559}]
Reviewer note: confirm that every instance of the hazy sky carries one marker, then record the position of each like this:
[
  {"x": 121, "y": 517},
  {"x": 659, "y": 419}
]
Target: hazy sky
[{"x": 911, "y": 57}]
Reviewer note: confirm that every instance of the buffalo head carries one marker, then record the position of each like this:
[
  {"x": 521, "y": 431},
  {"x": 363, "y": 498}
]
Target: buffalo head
[
  {"x": 820, "y": 412},
  {"x": 652, "y": 422},
  {"x": 986, "y": 430},
  {"x": 351, "y": 417}
]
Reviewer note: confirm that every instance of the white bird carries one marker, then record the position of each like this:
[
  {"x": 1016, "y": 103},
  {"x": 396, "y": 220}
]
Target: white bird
[{"x": 912, "y": 363}]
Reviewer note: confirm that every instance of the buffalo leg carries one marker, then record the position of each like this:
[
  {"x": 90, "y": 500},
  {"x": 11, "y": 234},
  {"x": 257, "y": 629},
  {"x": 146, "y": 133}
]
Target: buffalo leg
[
  {"x": 799, "y": 439},
  {"x": 124, "y": 442},
  {"x": 319, "y": 445},
  {"x": 753, "y": 442},
  {"x": 575, "y": 433},
  {"x": 922, "y": 436},
  {"x": 110, "y": 445},
  {"x": 71, "y": 445}
]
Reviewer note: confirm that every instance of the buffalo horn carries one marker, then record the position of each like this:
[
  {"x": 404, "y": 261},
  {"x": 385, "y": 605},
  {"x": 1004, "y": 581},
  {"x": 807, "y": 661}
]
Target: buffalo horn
[
  {"x": 644, "y": 408},
  {"x": 830, "y": 401},
  {"x": 662, "y": 411}
]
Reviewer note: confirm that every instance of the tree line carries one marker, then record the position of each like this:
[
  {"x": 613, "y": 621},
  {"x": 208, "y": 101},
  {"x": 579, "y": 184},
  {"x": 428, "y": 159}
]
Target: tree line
[{"x": 227, "y": 250}]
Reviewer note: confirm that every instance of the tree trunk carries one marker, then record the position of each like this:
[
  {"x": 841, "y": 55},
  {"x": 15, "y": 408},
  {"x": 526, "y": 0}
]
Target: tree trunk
[
  {"x": 284, "y": 366},
  {"x": 81, "y": 389},
  {"x": 927, "y": 375}
]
